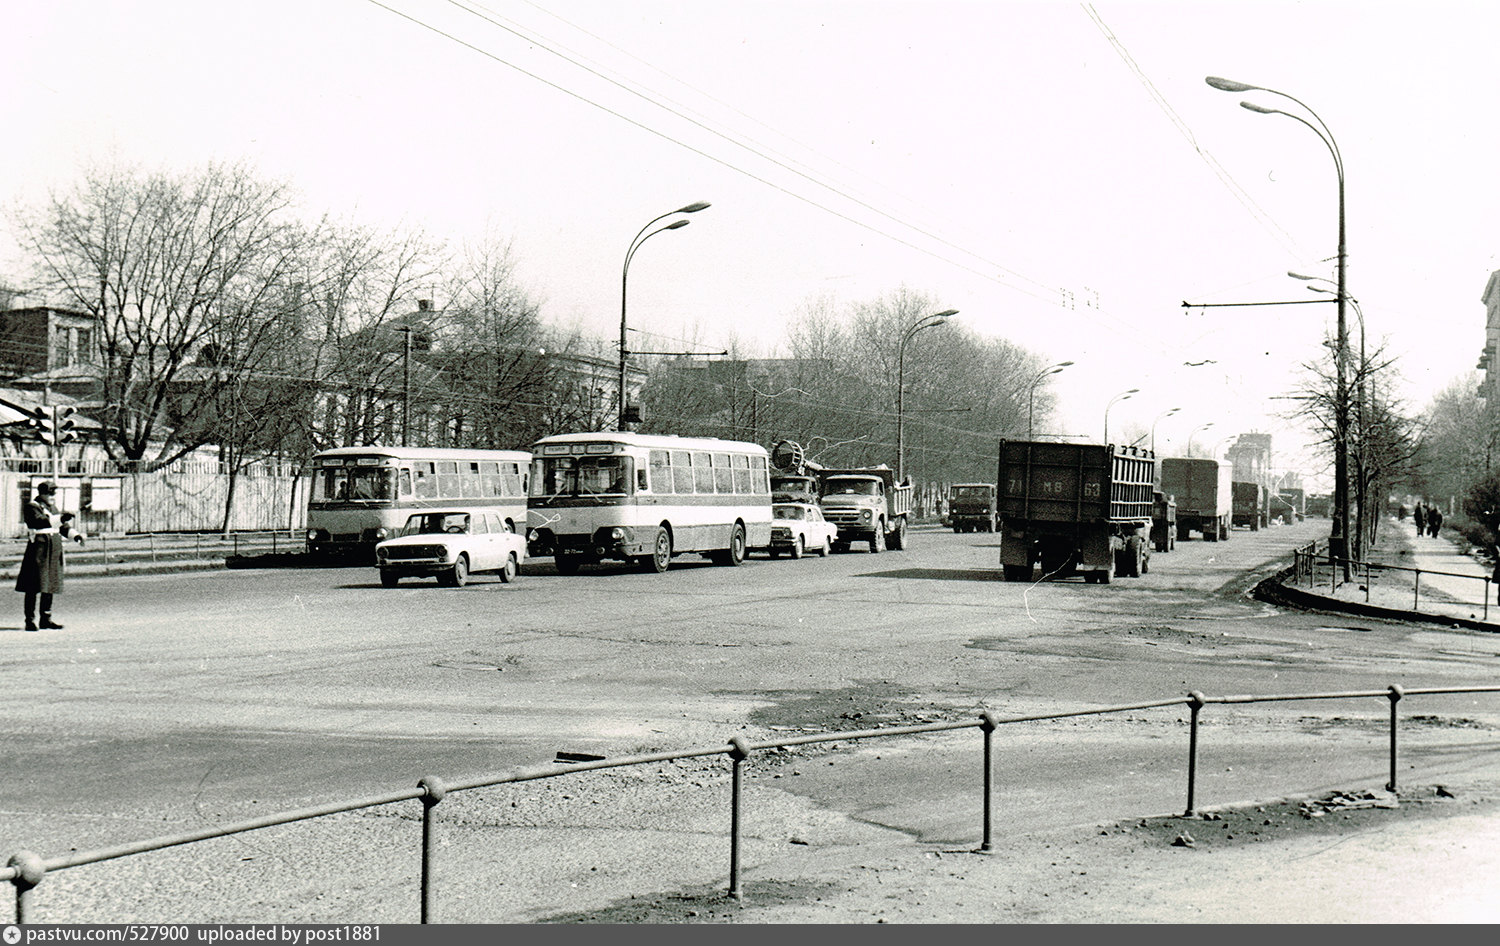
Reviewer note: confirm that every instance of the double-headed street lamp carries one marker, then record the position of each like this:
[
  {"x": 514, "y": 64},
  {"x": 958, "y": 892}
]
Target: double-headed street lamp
[
  {"x": 925, "y": 322},
  {"x": 1031, "y": 401},
  {"x": 1195, "y": 431},
  {"x": 1157, "y": 421},
  {"x": 1122, "y": 396},
  {"x": 1338, "y": 539},
  {"x": 635, "y": 244}
]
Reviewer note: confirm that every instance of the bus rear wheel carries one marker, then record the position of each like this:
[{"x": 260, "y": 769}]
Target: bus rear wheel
[{"x": 735, "y": 554}]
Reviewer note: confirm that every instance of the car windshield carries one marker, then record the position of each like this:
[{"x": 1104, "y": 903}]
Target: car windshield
[
  {"x": 790, "y": 512},
  {"x": 436, "y": 523},
  {"x": 837, "y": 487},
  {"x": 971, "y": 492}
]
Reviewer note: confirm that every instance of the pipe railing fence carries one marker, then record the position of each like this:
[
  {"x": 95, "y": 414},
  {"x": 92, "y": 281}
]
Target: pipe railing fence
[{"x": 26, "y": 870}]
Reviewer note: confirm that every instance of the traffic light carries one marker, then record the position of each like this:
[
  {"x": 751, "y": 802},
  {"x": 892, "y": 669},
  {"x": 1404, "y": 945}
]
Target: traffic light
[
  {"x": 54, "y": 425},
  {"x": 64, "y": 427}
]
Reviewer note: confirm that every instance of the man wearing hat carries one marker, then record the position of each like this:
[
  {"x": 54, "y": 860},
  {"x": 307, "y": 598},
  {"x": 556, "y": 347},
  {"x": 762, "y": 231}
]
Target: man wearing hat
[{"x": 41, "y": 571}]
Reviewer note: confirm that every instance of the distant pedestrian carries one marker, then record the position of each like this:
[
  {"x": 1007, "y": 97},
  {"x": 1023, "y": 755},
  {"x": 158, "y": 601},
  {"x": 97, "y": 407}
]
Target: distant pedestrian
[
  {"x": 1421, "y": 519},
  {"x": 1401, "y": 513},
  {"x": 1495, "y": 577},
  {"x": 41, "y": 573},
  {"x": 1434, "y": 521}
]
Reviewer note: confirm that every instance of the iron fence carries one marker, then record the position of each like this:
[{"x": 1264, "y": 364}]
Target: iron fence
[
  {"x": 1306, "y": 571},
  {"x": 120, "y": 552},
  {"x": 26, "y": 870}
]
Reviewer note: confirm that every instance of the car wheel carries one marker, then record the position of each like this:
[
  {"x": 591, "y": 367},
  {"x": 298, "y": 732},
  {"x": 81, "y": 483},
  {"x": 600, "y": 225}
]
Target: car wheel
[
  {"x": 511, "y": 570},
  {"x": 459, "y": 576},
  {"x": 389, "y": 579},
  {"x": 825, "y": 548},
  {"x": 799, "y": 547}
]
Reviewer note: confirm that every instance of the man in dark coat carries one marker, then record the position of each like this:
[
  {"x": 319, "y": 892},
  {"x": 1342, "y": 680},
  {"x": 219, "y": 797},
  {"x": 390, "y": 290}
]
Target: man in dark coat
[{"x": 41, "y": 574}]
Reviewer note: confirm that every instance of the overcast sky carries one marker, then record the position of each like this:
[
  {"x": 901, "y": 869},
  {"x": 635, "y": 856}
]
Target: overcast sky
[{"x": 1059, "y": 173}]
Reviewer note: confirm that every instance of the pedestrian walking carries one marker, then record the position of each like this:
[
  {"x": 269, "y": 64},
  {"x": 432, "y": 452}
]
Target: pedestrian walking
[
  {"x": 1420, "y": 515},
  {"x": 1434, "y": 521},
  {"x": 41, "y": 574},
  {"x": 1495, "y": 577}
]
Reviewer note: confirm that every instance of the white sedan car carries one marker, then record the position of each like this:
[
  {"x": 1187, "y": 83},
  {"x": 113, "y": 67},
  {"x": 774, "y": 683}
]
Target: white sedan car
[
  {"x": 451, "y": 544},
  {"x": 797, "y": 528}
]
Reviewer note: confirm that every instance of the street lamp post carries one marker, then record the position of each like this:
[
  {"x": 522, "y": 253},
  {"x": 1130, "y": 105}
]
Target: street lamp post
[
  {"x": 1122, "y": 396},
  {"x": 1157, "y": 421},
  {"x": 925, "y": 322},
  {"x": 1031, "y": 401},
  {"x": 1195, "y": 431},
  {"x": 1338, "y": 539},
  {"x": 1361, "y": 372},
  {"x": 635, "y": 244}
]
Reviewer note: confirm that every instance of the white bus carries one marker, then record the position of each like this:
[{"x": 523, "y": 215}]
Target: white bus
[
  {"x": 643, "y": 498},
  {"x": 361, "y": 495}
]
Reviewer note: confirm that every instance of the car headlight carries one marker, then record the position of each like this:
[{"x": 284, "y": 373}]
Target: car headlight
[{"x": 864, "y": 514}]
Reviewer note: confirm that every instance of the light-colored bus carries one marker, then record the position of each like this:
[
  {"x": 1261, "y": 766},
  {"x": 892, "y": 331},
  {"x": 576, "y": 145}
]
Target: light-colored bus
[
  {"x": 644, "y": 498},
  {"x": 361, "y": 495}
]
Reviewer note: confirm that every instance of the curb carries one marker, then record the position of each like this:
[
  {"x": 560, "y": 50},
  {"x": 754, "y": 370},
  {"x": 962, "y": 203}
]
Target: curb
[{"x": 1272, "y": 591}]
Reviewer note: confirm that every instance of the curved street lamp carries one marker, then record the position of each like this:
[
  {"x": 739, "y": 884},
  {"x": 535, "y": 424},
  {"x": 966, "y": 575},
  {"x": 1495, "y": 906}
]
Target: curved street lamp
[
  {"x": 1338, "y": 539},
  {"x": 635, "y": 244},
  {"x": 1031, "y": 401},
  {"x": 925, "y": 322},
  {"x": 1195, "y": 431},
  {"x": 1157, "y": 421},
  {"x": 1122, "y": 396}
]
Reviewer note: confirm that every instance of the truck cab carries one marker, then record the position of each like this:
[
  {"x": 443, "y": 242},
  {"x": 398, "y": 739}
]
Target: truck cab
[{"x": 971, "y": 507}]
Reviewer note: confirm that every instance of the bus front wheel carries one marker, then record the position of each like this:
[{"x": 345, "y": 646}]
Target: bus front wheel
[
  {"x": 735, "y": 554},
  {"x": 661, "y": 553}
]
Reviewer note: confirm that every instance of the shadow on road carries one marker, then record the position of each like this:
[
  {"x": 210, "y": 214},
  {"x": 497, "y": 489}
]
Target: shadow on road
[{"x": 944, "y": 574}]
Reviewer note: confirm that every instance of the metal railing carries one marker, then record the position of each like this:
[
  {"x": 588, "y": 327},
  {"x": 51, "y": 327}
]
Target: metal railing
[
  {"x": 122, "y": 551},
  {"x": 26, "y": 870},
  {"x": 1305, "y": 571}
]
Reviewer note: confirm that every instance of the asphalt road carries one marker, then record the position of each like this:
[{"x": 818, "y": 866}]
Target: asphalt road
[{"x": 170, "y": 701}]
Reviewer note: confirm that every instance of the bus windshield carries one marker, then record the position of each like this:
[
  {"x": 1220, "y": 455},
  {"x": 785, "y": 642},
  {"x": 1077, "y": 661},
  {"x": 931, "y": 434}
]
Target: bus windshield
[
  {"x": 581, "y": 476},
  {"x": 344, "y": 483}
]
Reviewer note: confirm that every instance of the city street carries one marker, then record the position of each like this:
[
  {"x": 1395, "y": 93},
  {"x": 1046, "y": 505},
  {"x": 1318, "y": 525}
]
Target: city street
[{"x": 174, "y": 701}]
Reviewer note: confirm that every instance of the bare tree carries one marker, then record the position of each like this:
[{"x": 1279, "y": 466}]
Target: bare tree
[{"x": 167, "y": 264}]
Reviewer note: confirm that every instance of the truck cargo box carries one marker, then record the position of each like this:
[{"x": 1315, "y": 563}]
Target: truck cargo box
[{"x": 1204, "y": 493}]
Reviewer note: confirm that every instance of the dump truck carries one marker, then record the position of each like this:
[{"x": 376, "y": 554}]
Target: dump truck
[
  {"x": 867, "y": 505},
  {"x": 1074, "y": 509},
  {"x": 1204, "y": 493},
  {"x": 1248, "y": 505},
  {"x": 1163, "y": 522},
  {"x": 971, "y": 507}
]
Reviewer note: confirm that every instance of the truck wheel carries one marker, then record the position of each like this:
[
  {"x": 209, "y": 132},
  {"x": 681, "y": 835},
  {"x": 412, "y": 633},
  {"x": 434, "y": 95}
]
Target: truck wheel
[
  {"x": 1017, "y": 573},
  {"x": 957, "y": 529},
  {"x": 1106, "y": 576},
  {"x": 898, "y": 535},
  {"x": 877, "y": 538}
]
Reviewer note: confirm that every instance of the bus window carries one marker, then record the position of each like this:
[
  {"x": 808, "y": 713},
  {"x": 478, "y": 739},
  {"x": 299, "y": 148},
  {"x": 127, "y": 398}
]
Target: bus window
[
  {"x": 744, "y": 482},
  {"x": 469, "y": 480},
  {"x": 448, "y": 485},
  {"x": 762, "y": 477},
  {"x": 682, "y": 473},
  {"x": 424, "y": 484},
  {"x": 723, "y": 475},
  {"x": 511, "y": 483},
  {"x": 661, "y": 472},
  {"x": 703, "y": 474},
  {"x": 372, "y": 483},
  {"x": 405, "y": 484}
]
